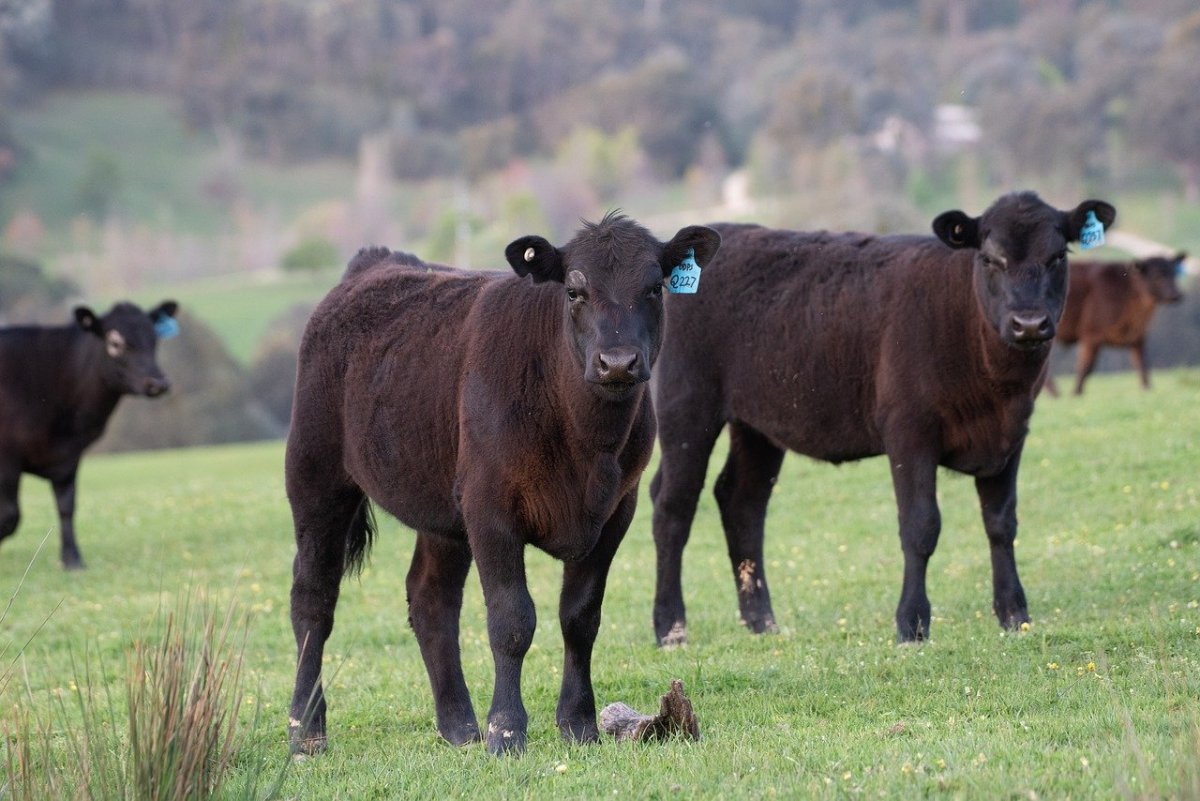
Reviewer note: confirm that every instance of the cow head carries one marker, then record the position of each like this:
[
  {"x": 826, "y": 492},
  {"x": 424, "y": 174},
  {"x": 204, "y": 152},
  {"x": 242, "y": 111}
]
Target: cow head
[
  {"x": 1021, "y": 261},
  {"x": 612, "y": 274},
  {"x": 1161, "y": 275},
  {"x": 130, "y": 338}
]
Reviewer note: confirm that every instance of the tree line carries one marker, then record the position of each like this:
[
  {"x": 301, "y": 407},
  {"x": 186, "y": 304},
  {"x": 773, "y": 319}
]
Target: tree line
[{"x": 1087, "y": 90}]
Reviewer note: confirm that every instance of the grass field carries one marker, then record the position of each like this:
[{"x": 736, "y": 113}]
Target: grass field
[{"x": 1099, "y": 699}]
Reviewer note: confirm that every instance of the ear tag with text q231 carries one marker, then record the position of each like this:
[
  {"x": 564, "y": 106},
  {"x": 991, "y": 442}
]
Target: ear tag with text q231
[
  {"x": 1092, "y": 233},
  {"x": 685, "y": 277},
  {"x": 166, "y": 327}
]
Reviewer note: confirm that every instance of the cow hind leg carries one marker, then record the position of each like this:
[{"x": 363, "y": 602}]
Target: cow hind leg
[
  {"x": 435, "y": 592},
  {"x": 743, "y": 490},
  {"x": 326, "y": 520},
  {"x": 675, "y": 491}
]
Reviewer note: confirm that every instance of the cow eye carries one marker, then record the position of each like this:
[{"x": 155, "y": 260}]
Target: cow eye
[
  {"x": 655, "y": 291},
  {"x": 572, "y": 294}
]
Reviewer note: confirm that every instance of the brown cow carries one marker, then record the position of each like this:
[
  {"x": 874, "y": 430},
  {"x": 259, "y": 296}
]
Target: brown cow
[
  {"x": 843, "y": 346},
  {"x": 1113, "y": 303},
  {"x": 488, "y": 413}
]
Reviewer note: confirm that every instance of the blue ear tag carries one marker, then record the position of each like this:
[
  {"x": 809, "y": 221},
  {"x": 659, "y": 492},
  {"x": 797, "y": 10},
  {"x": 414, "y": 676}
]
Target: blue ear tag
[
  {"x": 1180, "y": 269},
  {"x": 166, "y": 327},
  {"x": 685, "y": 277},
  {"x": 1092, "y": 233}
]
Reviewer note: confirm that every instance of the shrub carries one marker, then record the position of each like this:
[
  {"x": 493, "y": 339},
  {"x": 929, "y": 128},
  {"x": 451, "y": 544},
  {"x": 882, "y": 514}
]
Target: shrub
[{"x": 310, "y": 254}]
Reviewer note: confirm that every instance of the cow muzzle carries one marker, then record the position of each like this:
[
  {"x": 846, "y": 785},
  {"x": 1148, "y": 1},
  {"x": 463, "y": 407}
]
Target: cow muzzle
[
  {"x": 1029, "y": 329},
  {"x": 153, "y": 387},
  {"x": 618, "y": 370}
]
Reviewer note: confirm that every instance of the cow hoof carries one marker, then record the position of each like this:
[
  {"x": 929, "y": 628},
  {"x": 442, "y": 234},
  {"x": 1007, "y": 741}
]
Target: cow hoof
[
  {"x": 1015, "y": 621},
  {"x": 674, "y": 638},
  {"x": 461, "y": 735},
  {"x": 73, "y": 564},
  {"x": 764, "y": 625},
  {"x": 580, "y": 731},
  {"x": 505, "y": 742},
  {"x": 307, "y": 747},
  {"x": 912, "y": 634}
]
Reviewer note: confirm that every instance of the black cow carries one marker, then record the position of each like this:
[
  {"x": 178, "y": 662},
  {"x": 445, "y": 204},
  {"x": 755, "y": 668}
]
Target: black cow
[
  {"x": 844, "y": 346},
  {"x": 58, "y": 387},
  {"x": 488, "y": 413}
]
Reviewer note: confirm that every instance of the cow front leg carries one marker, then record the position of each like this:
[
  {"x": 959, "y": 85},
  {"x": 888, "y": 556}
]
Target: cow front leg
[
  {"x": 10, "y": 512},
  {"x": 322, "y": 520},
  {"x": 511, "y": 619},
  {"x": 1137, "y": 355},
  {"x": 64, "y": 499},
  {"x": 743, "y": 490},
  {"x": 435, "y": 592},
  {"x": 1085, "y": 362},
  {"x": 579, "y": 605},
  {"x": 998, "y": 503},
  {"x": 675, "y": 491},
  {"x": 914, "y": 478}
]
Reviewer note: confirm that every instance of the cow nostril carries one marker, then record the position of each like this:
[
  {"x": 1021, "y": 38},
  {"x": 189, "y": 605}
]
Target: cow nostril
[
  {"x": 1032, "y": 327},
  {"x": 617, "y": 362},
  {"x": 156, "y": 387}
]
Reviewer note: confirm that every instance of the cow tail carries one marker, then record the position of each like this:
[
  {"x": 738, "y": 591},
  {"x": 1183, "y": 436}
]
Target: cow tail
[{"x": 359, "y": 538}]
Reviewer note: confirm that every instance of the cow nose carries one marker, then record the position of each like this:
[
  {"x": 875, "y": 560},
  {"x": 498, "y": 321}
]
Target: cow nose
[
  {"x": 617, "y": 365},
  {"x": 156, "y": 386},
  {"x": 1031, "y": 328}
]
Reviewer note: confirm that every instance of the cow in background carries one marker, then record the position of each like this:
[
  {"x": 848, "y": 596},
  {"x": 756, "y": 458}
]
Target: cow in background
[
  {"x": 58, "y": 388},
  {"x": 840, "y": 346},
  {"x": 1111, "y": 304}
]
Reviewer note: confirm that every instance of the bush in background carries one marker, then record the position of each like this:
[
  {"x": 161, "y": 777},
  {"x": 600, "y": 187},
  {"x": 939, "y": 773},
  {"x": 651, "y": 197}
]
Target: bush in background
[{"x": 310, "y": 254}]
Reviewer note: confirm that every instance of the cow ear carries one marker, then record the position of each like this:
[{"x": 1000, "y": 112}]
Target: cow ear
[
  {"x": 88, "y": 321},
  {"x": 956, "y": 229},
  {"x": 533, "y": 255},
  {"x": 1180, "y": 256},
  {"x": 1078, "y": 217},
  {"x": 165, "y": 309},
  {"x": 703, "y": 243}
]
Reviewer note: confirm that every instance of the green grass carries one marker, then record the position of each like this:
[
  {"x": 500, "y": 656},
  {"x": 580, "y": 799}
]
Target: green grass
[{"x": 830, "y": 707}]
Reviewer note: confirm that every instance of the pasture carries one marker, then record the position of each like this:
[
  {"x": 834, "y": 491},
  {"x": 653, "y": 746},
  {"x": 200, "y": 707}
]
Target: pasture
[{"x": 1099, "y": 699}]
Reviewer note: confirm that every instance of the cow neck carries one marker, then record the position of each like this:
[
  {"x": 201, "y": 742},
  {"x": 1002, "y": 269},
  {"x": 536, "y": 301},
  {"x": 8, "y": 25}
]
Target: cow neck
[
  {"x": 1007, "y": 368},
  {"x": 598, "y": 425},
  {"x": 85, "y": 386}
]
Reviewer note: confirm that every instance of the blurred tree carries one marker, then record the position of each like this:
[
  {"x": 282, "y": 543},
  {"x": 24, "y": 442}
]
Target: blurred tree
[
  {"x": 99, "y": 185},
  {"x": 1165, "y": 115},
  {"x": 816, "y": 107},
  {"x": 610, "y": 165},
  {"x": 310, "y": 254}
]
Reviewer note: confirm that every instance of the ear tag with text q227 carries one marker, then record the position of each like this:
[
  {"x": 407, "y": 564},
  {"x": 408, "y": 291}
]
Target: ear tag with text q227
[
  {"x": 1092, "y": 233},
  {"x": 166, "y": 327},
  {"x": 685, "y": 277}
]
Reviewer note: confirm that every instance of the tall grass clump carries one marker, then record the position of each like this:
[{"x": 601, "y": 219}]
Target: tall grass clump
[{"x": 175, "y": 736}]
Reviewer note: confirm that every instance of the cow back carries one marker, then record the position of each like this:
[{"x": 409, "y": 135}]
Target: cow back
[{"x": 808, "y": 333}]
